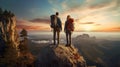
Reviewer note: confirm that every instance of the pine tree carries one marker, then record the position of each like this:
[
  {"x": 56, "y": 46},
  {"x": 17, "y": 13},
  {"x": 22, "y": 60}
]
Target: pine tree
[
  {"x": 25, "y": 58},
  {"x": 23, "y": 33},
  {"x": 24, "y": 41}
]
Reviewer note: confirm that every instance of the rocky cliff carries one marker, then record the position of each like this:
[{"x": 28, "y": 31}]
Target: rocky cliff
[
  {"x": 61, "y": 56},
  {"x": 10, "y": 54},
  {"x": 8, "y": 38}
]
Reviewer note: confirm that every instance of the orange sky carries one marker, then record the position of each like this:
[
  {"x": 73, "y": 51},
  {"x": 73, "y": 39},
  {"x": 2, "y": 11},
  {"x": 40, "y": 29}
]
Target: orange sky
[
  {"x": 79, "y": 26},
  {"x": 89, "y": 15}
]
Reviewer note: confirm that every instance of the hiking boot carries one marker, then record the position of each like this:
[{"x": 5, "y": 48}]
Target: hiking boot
[{"x": 67, "y": 45}]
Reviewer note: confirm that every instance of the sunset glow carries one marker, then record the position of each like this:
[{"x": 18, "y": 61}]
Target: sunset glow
[
  {"x": 89, "y": 15},
  {"x": 88, "y": 27}
]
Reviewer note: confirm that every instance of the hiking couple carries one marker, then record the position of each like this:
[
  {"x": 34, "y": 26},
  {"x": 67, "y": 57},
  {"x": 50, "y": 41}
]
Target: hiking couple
[{"x": 56, "y": 25}]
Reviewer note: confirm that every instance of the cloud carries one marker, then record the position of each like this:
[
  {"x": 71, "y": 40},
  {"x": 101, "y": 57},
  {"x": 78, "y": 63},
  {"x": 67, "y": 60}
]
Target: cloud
[
  {"x": 97, "y": 24},
  {"x": 111, "y": 29},
  {"x": 53, "y": 1},
  {"x": 39, "y": 20},
  {"x": 27, "y": 27},
  {"x": 85, "y": 12},
  {"x": 91, "y": 23},
  {"x": 88, "y": 23},
  {"x": 41, "y": 41},
  {"x": 42, "y": 28},
  {"x": 64, "y": 5},
  {"x": 90, "y": 1},
  {"x": 116, "y": 28},
  {"x": 32, "y": 26},
  {"x": 88, "y": 4},
  {"x": 82, "y": 9},
  {"x": 102, "y": 4},
  {"x": 19, "y": 22},
  {"x": 117, "y": 4},
  {"x": 89, "y": 13}
]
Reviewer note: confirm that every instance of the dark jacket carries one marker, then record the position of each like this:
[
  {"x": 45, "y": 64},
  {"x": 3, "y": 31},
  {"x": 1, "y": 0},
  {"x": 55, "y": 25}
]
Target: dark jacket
[{"x": 59, "y": 23}]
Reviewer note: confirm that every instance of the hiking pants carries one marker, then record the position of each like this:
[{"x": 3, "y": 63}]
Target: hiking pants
[
  {"x": 56, "y": 33},
  {"x": 68, "y": 37}
]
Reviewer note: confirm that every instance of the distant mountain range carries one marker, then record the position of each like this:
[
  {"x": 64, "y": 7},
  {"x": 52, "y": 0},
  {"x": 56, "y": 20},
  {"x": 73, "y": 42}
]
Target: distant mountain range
[
  {"x": 101, "y": 53},
  {"x": 96, "y": 52}
]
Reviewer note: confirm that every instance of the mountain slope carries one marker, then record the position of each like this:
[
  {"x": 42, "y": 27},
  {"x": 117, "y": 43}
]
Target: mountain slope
[
  {"x": 60, "y": 56},
  {"x": 98, "y": 52}
]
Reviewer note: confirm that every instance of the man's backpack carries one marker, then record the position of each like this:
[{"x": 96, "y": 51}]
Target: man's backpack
[
  {"x": 52, "y": 20},
  {"x": 70, "y": 24}
]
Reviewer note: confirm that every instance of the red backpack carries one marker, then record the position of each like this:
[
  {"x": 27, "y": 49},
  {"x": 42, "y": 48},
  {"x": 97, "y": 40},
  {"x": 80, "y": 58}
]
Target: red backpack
[{"x": 70, "y": 24}]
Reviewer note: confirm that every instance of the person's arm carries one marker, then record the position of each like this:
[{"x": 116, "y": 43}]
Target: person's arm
[
  {"x": 60, "y": 23},
  {"x": 61, "y": 26}
]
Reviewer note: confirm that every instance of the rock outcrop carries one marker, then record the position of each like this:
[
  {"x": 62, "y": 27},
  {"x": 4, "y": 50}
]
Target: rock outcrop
[
  {"x": 61, "y": 56},
  {"x": 8, "y": 38},
  {"x": 10, "y": 54}
]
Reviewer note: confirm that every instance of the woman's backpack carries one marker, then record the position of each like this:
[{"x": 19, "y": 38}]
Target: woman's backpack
[{"x": 70, "y": 24}]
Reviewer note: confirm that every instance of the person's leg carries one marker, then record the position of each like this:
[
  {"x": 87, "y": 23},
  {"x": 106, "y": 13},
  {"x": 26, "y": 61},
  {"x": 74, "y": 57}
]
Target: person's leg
[
  {"x": 70, "y": 40},
  {"x": 67, "y": 38},
  {"x": 58, "y": 37},
  {"x": 54, "y": 36}
]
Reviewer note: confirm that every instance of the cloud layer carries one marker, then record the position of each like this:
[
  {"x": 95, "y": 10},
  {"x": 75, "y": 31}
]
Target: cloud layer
[
  {"x": 40, "y": 20},
  {"x": 40, "y": 25},
  {"x": 101, "y": 15}
]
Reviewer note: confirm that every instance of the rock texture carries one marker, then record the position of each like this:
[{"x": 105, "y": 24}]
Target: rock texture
[
  {"x": 61, "y": 56},
  {"x": 8, "y": 38},
  {"x": 10, "y": 53}
]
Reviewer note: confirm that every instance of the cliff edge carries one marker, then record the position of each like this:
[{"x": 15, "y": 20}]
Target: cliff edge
[{"x": 61, "y": 56}]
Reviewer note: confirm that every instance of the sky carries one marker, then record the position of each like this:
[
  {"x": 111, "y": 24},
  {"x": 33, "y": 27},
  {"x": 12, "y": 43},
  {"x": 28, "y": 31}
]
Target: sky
[{"x": 89, "y": 15}]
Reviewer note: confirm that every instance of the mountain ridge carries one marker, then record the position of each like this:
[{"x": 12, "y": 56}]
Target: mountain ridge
[{"x": 61, "y": 56}]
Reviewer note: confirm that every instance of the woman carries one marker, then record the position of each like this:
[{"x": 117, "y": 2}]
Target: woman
[{"x": 69, "y": 28}]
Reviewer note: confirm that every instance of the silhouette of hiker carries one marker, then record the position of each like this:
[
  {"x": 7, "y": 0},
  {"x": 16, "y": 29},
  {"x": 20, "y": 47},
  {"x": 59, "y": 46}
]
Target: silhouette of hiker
[
  {"x": 56, "y": 25},
  {"x": 68, "y": 29}
]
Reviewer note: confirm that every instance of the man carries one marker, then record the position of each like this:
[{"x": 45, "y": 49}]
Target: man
[
  {"x": 56, "y": 24},
  {"x": 69, "y": 28}
]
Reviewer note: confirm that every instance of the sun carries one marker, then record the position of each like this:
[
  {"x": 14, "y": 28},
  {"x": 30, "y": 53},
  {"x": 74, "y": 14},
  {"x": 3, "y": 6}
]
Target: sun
[{"x": 87, "y": 27}]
